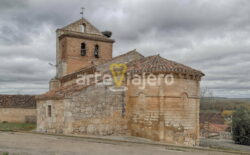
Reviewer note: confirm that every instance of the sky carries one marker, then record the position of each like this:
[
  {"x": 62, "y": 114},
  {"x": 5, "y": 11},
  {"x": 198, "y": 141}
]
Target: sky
[{"x": 212, "y": 36}]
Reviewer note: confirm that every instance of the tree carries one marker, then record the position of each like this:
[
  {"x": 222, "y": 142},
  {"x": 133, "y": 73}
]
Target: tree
[
  {"x": 207, "y": 99},
  {"x": 241, "y": 126}
]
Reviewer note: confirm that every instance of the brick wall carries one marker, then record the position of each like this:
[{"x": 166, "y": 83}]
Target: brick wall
[{"x": 71, "y": 55}]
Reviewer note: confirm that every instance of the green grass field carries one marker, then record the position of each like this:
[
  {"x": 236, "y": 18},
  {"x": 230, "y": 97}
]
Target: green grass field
[{"x": 17, "y": 126}]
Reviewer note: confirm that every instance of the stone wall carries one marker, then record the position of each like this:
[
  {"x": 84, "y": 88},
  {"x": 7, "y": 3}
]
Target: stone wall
[
  {"x": 89, "y": 28},
  {"x": 94, "y": 111},
  {"x": 53, "y": 123},
  {"x": 97, "y": 111},
  {"x": 54, "y": 84},
  {"x": 18, "y": 115},
  {"x": 167, "y": 113}
]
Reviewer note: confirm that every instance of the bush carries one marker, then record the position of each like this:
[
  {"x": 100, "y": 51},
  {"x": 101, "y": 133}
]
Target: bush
[{"x": 241, "y": 126}]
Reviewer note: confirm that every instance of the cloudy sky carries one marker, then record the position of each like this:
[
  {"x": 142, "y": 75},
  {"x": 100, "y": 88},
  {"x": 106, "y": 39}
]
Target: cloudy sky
[{"x": 213, "y": 36}]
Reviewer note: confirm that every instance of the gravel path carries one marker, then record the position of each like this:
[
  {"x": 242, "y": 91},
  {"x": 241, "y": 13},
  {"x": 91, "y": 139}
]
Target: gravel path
[{"x": 27, "y": 143}]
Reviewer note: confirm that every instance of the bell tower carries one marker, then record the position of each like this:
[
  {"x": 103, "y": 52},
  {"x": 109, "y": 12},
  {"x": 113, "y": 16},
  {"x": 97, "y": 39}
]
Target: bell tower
[{"x": 80, "y": 45}]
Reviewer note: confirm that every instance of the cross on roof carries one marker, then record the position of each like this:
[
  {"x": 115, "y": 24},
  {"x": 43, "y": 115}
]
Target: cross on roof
[{"x": 82, "y": 12}]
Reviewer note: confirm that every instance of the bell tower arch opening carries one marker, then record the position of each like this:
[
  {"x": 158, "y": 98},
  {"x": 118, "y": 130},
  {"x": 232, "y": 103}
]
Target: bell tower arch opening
[
  {"x": 83, "y": 49},
  {"x": 83, "y": 27},
  {"x": 78, "y": 46},
  {"x": 96, "y": 51}
]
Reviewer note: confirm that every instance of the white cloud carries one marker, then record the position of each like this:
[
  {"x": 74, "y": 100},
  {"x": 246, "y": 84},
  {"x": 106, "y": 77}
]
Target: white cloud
[{"x": 207, "y": 35}]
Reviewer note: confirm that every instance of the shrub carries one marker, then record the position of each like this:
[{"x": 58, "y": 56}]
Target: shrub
[{"x": 241, "y": 126}]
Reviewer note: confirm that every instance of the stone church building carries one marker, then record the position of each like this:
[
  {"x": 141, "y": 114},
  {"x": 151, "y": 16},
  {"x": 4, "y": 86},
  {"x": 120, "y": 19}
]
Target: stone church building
[{"x": 164, "y": 112}]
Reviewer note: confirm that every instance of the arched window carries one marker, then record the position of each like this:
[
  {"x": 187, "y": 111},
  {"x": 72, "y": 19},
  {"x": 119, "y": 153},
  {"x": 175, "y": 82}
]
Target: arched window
[
  {"x": 83, "y": 27},
  {"x": 96, "y": 51},
  {"x": 83, "y": 49}
]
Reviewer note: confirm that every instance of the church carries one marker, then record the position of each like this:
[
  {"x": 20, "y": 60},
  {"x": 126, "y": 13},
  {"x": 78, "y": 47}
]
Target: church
[{"x": 165, "y": 112}]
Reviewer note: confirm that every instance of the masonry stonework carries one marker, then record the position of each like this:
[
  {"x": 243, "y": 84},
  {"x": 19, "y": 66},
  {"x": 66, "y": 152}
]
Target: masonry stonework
[
  {"x": 165, "y": 114},
  {"x": 95, "y": 110},
  {"x": 162, "y": 112}
]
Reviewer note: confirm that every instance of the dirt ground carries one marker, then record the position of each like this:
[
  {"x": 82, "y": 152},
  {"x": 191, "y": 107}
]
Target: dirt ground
[{"x": 27, "y": 143}]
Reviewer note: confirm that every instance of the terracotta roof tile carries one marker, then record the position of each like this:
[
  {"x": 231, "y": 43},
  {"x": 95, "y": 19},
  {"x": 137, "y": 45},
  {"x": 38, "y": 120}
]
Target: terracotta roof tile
[
  {"x": 146, "y": 64},
  {"x": 214, "y": 128},
  {"x": 93, "y": 67},
  {"x": 17, "y": 101},
  {"x": 158, "y": 64},
  {"x": 61, "y": 92}
]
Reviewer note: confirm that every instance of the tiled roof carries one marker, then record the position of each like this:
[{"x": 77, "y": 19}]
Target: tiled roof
[
  {"x": 146, "y": 64},
  {"x": 17, "y": 101},
  {"x": 92, "y": 69},
  {"x": 217, "y": 127},
  {"x": 215, "y": 118},
  {"x": 61, "y": 92},
  {"x": 89, "y": 70},
  {"x": 158, "y": 64}
]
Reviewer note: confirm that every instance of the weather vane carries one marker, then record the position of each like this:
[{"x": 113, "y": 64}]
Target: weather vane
[{"x": 82, "y": 12}]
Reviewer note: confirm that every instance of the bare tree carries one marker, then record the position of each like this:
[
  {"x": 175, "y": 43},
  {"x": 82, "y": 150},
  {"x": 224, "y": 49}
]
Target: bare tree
[{"x": 207, "y": 94}]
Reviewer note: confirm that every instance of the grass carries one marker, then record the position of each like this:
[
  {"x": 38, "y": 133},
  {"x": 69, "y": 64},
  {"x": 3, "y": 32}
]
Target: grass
[{"x": 17, "y": 126}]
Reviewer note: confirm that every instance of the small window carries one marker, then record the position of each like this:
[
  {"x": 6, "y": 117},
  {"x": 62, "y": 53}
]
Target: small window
[
  {"x": 82, "y": 28},
  {"x": 49, "y": 110},
  {"x": 83, "y": 49},
  {"x": 96, "y": 51}
]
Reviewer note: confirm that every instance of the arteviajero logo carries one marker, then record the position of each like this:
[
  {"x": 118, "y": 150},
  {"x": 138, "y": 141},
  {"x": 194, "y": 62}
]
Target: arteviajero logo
[
  {"x": 118, "y": 72},
  {"x": 119, "y": 78}
]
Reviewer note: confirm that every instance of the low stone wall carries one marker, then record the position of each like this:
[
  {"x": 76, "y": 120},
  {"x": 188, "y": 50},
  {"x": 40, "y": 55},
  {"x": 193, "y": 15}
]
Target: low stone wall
[{"x": 18, "y": 115}]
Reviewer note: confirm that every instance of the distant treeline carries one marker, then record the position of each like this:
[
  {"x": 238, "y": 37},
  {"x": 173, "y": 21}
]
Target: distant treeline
[{"x": 220, "y": 104}]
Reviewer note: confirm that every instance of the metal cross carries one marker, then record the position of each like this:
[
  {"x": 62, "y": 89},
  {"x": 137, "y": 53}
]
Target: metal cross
[{"x": 82, "y": 12}]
